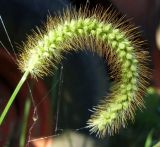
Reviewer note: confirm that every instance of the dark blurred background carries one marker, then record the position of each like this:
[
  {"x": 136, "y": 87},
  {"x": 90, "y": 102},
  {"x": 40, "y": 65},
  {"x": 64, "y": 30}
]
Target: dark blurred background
[{"x": 80, "y": 80}]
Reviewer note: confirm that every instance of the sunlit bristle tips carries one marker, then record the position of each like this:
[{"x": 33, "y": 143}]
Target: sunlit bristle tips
[{"x": 115, "y": 39}]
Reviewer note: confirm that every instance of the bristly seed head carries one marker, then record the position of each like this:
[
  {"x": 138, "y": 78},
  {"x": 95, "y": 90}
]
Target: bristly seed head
[{"x": 102, "y": 33}]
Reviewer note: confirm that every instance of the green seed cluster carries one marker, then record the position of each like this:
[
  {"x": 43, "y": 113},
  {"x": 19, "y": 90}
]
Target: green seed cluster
[{"x": 110, "y": 116}]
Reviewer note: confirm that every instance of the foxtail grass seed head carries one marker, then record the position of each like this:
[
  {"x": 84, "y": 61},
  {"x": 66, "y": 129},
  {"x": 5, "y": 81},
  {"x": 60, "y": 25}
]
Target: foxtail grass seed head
[{"x": 100, "y": 31}]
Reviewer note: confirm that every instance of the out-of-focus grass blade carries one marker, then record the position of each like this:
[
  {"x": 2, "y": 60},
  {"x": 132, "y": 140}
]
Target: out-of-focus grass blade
[
  {"x": 157, "y": 144},
  {"x": 148, "y": 142},
  {"x": 24, "y": 123}
]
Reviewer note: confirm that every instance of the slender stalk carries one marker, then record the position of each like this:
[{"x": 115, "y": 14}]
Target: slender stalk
[{"x": 11, "y": 99}]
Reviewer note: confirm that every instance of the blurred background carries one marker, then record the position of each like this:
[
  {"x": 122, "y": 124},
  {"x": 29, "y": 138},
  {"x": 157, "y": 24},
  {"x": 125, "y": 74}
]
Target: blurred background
[{"x": 56, "y": 109}]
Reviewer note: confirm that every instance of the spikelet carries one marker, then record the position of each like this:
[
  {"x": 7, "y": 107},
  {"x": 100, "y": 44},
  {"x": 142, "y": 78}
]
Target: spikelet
[{"x": 100, "y": 31}]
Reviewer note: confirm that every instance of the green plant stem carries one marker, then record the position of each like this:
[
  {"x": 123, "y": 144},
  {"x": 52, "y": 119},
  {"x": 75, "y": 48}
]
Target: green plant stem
[
  {"x": 24, "y": 123},
  {"x": 11, "y": 99}
]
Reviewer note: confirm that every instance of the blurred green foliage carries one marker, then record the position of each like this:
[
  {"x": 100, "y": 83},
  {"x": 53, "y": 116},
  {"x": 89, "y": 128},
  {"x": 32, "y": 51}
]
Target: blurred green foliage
[{"x": 138, "y": 133}]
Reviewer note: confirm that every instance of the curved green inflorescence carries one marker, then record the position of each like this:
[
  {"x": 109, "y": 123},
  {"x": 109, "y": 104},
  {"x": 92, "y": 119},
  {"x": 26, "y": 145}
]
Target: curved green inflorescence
[{"x": 113, "y": 42}]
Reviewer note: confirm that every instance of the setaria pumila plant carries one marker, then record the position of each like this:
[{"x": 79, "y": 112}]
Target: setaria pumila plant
[{"x": 100, "y": 31}]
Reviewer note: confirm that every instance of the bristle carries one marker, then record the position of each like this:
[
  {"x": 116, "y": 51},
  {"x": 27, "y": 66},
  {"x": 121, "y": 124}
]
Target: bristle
[{"x": 100, "y": 31}]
